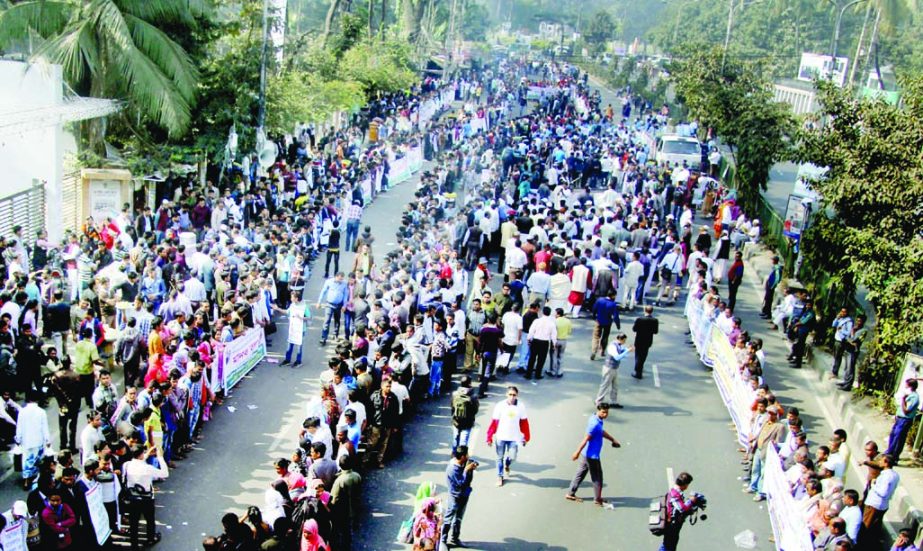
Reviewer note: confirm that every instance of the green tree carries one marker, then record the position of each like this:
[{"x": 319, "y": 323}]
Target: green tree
[
  {"x": 114, "y": 48},
  {"x": 295, "y": 97},
  {"x": 379, "y": 67},
  {"x": 599, "y": 31},
  {"x": 870, "y": 231},
  {"x": 737, "y": 104}
]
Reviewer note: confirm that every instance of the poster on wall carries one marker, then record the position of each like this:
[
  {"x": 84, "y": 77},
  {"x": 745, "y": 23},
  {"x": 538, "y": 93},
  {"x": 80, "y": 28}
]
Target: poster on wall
[
  {"x": 105, "y": 199},
  {"x": 796, "y": 216}
]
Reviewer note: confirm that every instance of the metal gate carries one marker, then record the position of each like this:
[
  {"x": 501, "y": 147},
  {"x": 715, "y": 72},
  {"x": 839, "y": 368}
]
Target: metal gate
[
  {"x": 70, "y": 202},
  {"x": 25, "y": 209}
]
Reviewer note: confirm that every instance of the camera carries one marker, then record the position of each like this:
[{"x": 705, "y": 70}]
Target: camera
[
  {"x": 701, "y": 503},
  {"x": 473, "y": 462}
]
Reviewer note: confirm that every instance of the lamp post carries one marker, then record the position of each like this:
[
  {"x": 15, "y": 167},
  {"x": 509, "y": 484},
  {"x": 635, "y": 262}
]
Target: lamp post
[
  {"x": 727, "y": 34},
  {"x": 836, "y": 28}
]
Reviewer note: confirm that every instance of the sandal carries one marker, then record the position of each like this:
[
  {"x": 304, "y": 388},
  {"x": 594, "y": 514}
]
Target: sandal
[{"x": 575, "y": 499}]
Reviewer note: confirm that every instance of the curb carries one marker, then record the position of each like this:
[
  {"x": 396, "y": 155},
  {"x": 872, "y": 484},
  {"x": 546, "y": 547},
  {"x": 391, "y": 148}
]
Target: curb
[{"x": 902, "y": 512}]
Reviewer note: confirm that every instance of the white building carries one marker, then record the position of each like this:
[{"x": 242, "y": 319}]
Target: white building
[
  {"x": 35, "y": 191},
  {"x": 800, "y": 95}
]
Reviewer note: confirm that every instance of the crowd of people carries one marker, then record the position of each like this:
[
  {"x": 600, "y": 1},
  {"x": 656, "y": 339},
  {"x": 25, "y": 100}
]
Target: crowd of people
[{"x": 560, "y": 195}]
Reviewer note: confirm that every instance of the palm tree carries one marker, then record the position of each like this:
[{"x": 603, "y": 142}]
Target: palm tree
[{"x": 113, "y": 48}]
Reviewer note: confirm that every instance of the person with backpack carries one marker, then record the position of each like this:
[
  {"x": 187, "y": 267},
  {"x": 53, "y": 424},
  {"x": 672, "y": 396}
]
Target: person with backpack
[
  {"x": 676, "y": 508},
  {"x": 464, "y": 411}
]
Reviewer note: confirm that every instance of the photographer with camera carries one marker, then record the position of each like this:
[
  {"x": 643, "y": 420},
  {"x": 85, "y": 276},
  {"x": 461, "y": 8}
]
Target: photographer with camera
[
  {"x": 459, "y": 475},
  {"x": 679, "y": 508}
]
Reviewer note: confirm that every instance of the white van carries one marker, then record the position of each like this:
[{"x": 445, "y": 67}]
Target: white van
[{"x": 674, "y": 149}]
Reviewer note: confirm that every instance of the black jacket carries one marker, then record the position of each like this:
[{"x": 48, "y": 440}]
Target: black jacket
[{"x": 645, "y": 328}]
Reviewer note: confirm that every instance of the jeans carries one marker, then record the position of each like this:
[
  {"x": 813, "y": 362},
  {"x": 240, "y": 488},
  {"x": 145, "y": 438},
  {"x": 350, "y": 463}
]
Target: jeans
[
  {"x": 756, "y": 473},
  {"x": 352, "y": 233},
  {"x": 334, "y": 311},
  {"x": 348, "y": 318},
  {"x": 333, "y": 254},
  {"x": 488, "y": 362},
  {"x": 506, "y": 454},
  {"x": 839, "y": 350},
  {"x": 556, "y": 354},
  {"x": 454, "y": 514},
  {"x": 898, "y": 436},
  {"x": 523, "y": 354},
  {"x": 460, "y": 437},
  {"x": 435, "y": 377},
  {"x": 291, "y": 348}
]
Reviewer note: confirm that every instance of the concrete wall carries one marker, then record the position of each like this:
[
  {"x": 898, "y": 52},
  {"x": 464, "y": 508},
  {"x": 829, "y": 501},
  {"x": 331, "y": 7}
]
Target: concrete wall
[{"x": 37, "y": 152}]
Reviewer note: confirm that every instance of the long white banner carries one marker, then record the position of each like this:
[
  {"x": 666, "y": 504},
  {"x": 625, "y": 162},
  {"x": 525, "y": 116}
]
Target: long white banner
[{"x": 240, "y": 356}]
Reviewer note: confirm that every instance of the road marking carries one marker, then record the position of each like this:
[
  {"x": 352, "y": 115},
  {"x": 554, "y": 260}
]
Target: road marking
[
  {"x": 670, "y": 477},
  {"x": 656, "y": 376}
]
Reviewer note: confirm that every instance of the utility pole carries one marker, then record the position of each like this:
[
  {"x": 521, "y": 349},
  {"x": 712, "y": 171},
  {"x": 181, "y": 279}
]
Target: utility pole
[
  {"x": 865, "y": 24},
  {"x": 264, "y": 52}
]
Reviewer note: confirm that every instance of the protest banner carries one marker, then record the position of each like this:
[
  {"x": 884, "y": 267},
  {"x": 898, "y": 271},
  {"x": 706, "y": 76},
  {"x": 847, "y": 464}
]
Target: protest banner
[
  {"x": 790, "y": 530},
  {"x": 241, "y": 355},
  {"x": 98, "y": 514},
  {"x": 13, "y": 536}
]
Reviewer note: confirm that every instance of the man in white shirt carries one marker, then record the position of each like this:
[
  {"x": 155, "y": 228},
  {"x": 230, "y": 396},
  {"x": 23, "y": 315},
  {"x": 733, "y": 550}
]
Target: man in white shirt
[
  {"x": 633, "y": 273},
  {"x": 851, "y": 513},
  {"x": 543, "y": 334},
  {"x": 91, "y": 435},
  {"x": 512, "y": 335},
  {"x": 516, "y": 258},
  {"x": 509, "y": 428},
  {"x": 671, "y": 267},
  {"x": 142, "y": 474},
  {"x": 195, "y": 290},
  {"x": 33, "y": 435}
]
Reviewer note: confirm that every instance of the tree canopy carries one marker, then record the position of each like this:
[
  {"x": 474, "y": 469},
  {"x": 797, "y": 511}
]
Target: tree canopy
[
  {"x": 733, "y": 100},
  {"x": 872, "y": 232}
]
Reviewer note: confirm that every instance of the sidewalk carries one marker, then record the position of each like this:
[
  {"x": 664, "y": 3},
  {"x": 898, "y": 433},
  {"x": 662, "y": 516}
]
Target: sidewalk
[{"x": 822, "y": 405}]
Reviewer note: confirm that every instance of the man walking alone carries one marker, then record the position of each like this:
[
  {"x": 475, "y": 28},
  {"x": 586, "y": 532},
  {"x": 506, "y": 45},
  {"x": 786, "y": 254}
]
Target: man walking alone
[
  {"x": 609, "y": 387},
  {"x": 645, "y": 328},
  {"x": 588, "y": 454}
]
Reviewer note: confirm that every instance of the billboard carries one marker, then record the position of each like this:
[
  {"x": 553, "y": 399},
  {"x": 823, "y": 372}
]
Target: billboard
[{"x": 824, "y": 67}]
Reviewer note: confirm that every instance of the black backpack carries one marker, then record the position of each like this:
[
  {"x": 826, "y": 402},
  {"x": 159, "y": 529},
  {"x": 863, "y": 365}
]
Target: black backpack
[{"x": 659, "y": 516}]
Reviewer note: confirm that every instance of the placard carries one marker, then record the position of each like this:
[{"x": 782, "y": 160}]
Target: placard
[
  {"x": 105, "y": 199},
  {"x": 13, "y": 536},
  {"x": 98, "y": 514},
  {"x": 241, "y": 355}
]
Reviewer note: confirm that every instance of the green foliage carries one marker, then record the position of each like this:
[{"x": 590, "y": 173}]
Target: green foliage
[
  {"x": 297, "y": 97},
  {"x": 476, "y": 23},
  {"x": 875, "y": 188},
  {"x": 379, "y": 67},
  {"x": 599, "y": 31},
  {"x": 737, "y": 103},
  {"x": 114, "y": 48},
  {"x": 352, "y": 30}
]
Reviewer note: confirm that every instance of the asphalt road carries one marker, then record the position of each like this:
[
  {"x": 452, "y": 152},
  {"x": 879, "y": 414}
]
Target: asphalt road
[{"x": 674, "y": 420}]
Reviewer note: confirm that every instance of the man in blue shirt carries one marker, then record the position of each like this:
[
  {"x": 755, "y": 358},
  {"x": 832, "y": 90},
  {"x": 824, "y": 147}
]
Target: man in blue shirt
[
  {"x": 333, "y": 294},
  {"x": 459, "y": 475},
  {"x": 907, "y": 411},
  {"x": 588, "y": 454},
  {"x": 607, "y": 313}
]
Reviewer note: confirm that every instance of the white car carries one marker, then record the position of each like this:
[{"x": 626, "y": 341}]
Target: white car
[{"x": 675, "y": 149}]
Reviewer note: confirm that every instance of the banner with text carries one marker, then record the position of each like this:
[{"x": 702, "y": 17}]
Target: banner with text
[
  {"x": 241, "y": 355},
  {"x": 790, "y": 531},
  {"x": 98, "y": 514}
]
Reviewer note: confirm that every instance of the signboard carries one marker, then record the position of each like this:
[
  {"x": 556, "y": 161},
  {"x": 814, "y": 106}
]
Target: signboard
[
  {"x": 241, "y": 355},
  {"x": 98, "y": 514},
  {"x": 823, "y": 67},
  {"x": 105, "y": 199},
  {"x": 13, "y": 536},
  {"x": 796, "y": 217},
  {"x": 788, "y": 527}
]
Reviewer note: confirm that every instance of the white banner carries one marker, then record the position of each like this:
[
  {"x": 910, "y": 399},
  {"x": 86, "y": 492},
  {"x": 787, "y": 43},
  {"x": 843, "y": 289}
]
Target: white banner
[
  {"x": 790, "y": 531},
  {"x": 98, "y": 514},
  {"x": 241, "y": 355},
  {"x": 13, "y": 537}
]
